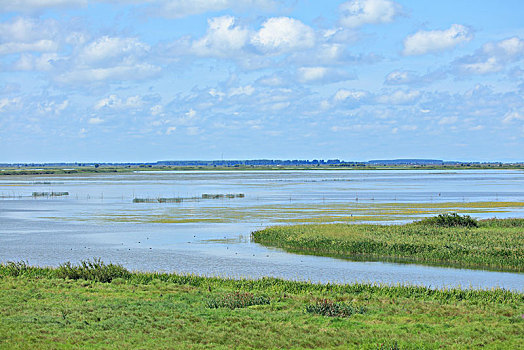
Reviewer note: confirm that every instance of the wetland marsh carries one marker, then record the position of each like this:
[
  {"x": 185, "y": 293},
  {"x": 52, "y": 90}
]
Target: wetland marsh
[{"x": 208, "y": 232}]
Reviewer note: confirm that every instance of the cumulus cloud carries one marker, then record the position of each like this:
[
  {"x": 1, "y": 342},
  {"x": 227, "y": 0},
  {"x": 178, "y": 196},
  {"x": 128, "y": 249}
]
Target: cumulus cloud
[
  {"x": 492, "y": 57},
  {"x": 109, "y": 59},
  {"x": 317, "y": 75},
  {"x": 356, "y": 13},
  {"x": 107, "y": 49},
  {"x": 28, "y": 35},
  {"x": 283, "y": 34},
  {"x": 423, "y": 42},
  {"x": 222, "y": 39}
]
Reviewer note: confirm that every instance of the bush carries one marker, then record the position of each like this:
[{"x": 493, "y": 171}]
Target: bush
[
  {"x": 326, "y": 307},
  {"x": 450, "y": 220},
  {"x": 95, "y": 270},
  {"x": 237, "y": 300}
]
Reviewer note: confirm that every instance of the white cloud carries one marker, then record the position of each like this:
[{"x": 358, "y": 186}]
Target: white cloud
[
  {"x": 356, "y": 13},
  {"x": 125, "y": 72},
  {"x": 447, "y": 120},
  {"x": 110, "y": 48},
  {"x": 170, "y": 130},
  {"x": 399, "y": 97},
  {"x": 8, "y": 103},
  {"x": 343, "y": 95},
  {"x": 38, "y": 46},
  {"x": 222, "y": 39},
  {"x": 156, "y": 110},
  {"x": 492, "y": 57},
  {"x": 28, "y": 62},
  {"x": 271, "y": 80},
  {"x": 423, "y": 42},
  {"x": 322, "y": 75},
  {"x": 513, "y": 116},
  {"x": 95, "y": 120},
  {"x": 191, "y": 113},
  {"x": 114, "y": 102},
  {"x": 400, "y": 77},
  {"x": 242, "y": 90},
  {"x": 283, "y": 34},
  {"x": 26, "y": 34}
]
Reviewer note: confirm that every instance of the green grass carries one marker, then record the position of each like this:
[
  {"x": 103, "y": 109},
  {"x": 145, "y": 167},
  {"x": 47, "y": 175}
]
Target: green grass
[
  {"x": 38, "y": 309},
  {"x": 496, "y": 244}
]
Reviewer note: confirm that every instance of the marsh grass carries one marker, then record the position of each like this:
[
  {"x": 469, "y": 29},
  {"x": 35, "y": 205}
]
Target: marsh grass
[{"x": 495, "y": 244}]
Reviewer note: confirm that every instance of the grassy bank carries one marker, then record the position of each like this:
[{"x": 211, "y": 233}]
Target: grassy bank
[
  {"x": 70, "y": 307},
  {"x": 496, "y": 244}
]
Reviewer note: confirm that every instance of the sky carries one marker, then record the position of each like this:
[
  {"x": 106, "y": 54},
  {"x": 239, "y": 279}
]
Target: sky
[{"x": 141, "y": 81}]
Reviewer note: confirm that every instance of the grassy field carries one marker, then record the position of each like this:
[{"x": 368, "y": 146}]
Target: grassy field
[
  {"x": 496, "y": 244},
  {"x": 71, "y": 307}
]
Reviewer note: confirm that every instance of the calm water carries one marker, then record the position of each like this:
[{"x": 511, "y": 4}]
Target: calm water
[{"x": 211, "y": 236}]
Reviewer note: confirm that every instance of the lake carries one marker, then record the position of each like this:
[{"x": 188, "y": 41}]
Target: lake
[{"x": 200, "y": 221}]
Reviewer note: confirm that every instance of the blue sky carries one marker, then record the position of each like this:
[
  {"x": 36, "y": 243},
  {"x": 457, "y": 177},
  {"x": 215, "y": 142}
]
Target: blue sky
[{"x": 129, "y": 80}]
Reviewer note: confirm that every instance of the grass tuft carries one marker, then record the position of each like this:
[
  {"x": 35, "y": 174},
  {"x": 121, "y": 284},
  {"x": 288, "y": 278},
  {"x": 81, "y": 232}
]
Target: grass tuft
[
  {"x": 330, "y": 308},
  {"x": 237, "y": 300},
  {"x": 92, "y": 270}
]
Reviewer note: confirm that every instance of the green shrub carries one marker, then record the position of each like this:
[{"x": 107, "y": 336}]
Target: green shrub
[
  {"x": 237, "y": 300},
  {"x": 330, "y": 308},
  {"x": 95, "y": 270},
  {"x": 450, "y": 220}
]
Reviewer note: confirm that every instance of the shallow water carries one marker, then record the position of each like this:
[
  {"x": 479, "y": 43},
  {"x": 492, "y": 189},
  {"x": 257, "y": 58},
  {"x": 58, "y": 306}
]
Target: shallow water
[{"x": 211, "y": 236}]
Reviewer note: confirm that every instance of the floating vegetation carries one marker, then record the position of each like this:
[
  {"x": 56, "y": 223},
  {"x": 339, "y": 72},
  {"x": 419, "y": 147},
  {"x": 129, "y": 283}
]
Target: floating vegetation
[
  {"x": 218, "y": 196},
  {"x": 50, "y": 194},
  {"x": 192, "y": 199},
  {"x": 159, "y": 200}
]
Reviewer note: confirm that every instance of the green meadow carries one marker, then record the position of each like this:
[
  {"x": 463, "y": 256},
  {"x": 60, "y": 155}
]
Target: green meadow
[{"x": 94, "y": 305}]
